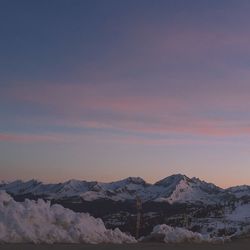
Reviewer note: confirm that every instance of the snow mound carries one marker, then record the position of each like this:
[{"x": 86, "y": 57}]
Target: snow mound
[
  {"x": 4, "y": 198},
  {"x": 168, "y": 234},
  {"x": 39, "y": 222}
]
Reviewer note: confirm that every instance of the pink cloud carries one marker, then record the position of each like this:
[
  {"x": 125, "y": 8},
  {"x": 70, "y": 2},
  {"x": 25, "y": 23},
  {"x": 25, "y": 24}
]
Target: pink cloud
[
  {"x": 129, "y": 111},
  {"x": 132, "y": 139},
  {"x": 29, "y": 138},
  {"x": 181, "y": 109},
  {"x": 204, "y": 128},
  {"x": 77, "y": 98}
]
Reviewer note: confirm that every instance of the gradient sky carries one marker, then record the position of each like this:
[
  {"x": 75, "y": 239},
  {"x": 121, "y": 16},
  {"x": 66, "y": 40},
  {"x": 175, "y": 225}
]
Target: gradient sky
[{"x": 103, "y": 90}]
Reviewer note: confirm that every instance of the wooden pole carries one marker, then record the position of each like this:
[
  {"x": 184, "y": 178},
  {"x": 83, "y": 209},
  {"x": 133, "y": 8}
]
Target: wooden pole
[{"x": 138, "y": 218}]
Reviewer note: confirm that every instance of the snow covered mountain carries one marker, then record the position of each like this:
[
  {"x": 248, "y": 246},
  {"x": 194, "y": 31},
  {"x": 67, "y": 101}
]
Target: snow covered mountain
[
  {"x": 2, "y": 183},
  {"x": 240, "y": 191},
  {"x": 183, "y": 189},
  {"x": 173, "y": 189}
]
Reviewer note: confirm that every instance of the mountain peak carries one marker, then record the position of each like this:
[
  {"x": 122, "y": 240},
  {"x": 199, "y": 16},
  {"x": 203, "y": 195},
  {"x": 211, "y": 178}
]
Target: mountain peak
[
  {"x": 172, "y": 180},
  {"x": 129, "y": 180},
  {"x": 174, "y": 188},
  {"x": 73, "y": 182},
  {"x": 135, "y": 180}
]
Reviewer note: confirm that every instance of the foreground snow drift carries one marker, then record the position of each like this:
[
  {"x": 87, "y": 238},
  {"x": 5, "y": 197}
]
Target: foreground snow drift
[
  {"x": 168, "y": 234},
  {"x": 39, "y": 222}
]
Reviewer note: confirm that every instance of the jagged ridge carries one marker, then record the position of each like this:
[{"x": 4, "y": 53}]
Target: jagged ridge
[{"x": 172, "y": 189}]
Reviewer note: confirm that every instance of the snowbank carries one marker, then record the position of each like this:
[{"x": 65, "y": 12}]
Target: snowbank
[
  {"x": 39, "y": 222},
  {"x": 167, "y": 234}
]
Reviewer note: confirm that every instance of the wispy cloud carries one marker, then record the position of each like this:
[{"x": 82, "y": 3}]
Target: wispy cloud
[
  {"x": 108, "y": 107},
  {"x": 104, "y": 139},
  {"x": 29, "y": 138},
  {"x": 191, "y": 88}
]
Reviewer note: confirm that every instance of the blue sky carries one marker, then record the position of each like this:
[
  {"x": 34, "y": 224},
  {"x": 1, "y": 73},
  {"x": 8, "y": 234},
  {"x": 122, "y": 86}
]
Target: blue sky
[{"x": 103, "y": 90}]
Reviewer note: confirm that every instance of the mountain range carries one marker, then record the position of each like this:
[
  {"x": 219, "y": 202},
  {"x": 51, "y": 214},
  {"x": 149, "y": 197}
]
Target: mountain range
[{"x": 176, "y": 188}]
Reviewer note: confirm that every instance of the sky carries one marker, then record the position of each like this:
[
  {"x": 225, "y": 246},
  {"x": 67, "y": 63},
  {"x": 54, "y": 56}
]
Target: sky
[{"x": 103, "y": 90}]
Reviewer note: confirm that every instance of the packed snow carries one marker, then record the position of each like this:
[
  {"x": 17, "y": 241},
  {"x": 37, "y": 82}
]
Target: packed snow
[
  {"x": 39, "y": 222},
  {"x": 168, "y": 234}
]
